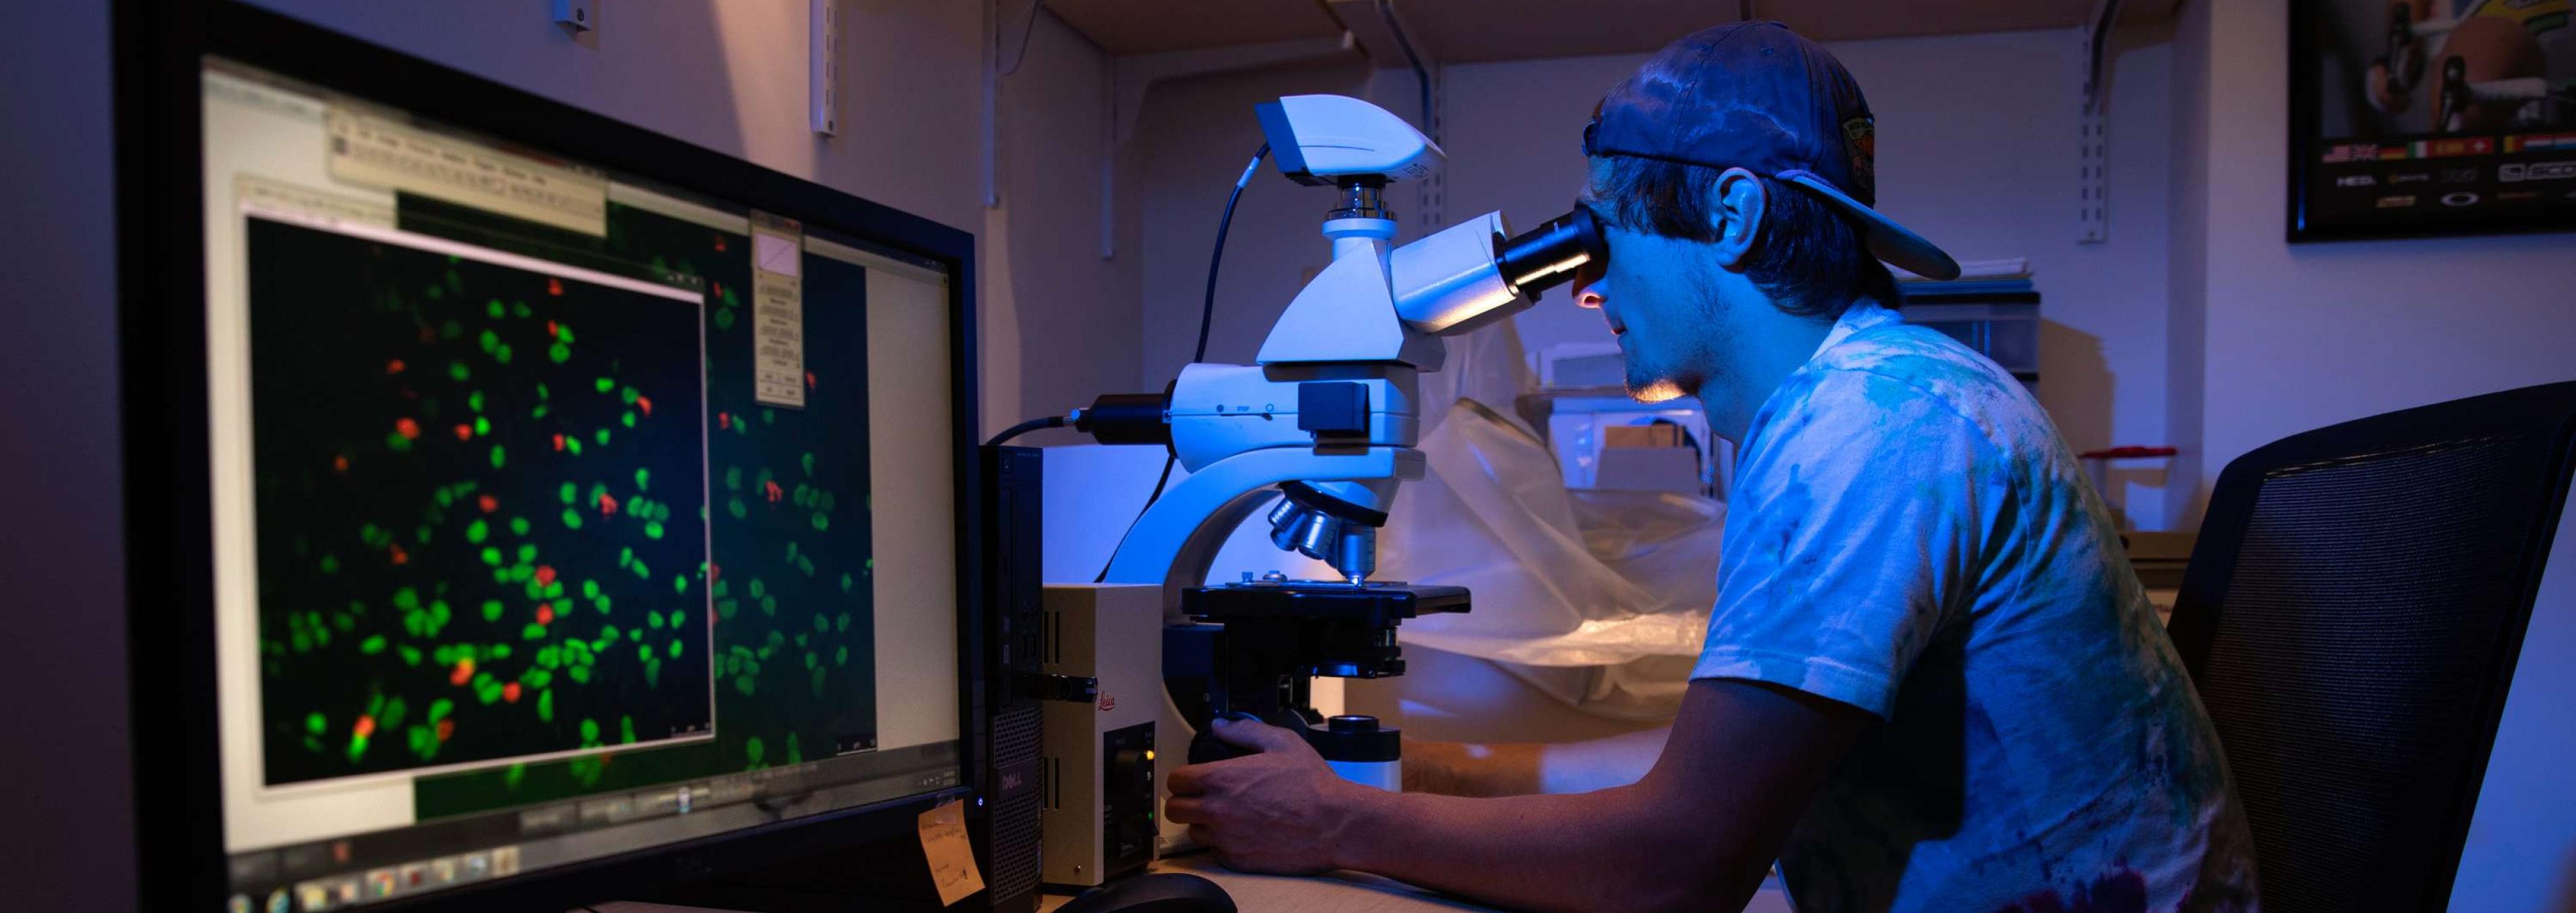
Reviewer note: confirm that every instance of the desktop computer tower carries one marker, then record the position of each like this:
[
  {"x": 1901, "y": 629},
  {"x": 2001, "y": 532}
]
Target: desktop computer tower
[{"x": 1006, "y": 835}]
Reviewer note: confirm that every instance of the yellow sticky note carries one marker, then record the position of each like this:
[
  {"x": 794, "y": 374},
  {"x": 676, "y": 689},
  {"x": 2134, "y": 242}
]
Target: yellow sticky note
[{"x": 952, "y": 859}]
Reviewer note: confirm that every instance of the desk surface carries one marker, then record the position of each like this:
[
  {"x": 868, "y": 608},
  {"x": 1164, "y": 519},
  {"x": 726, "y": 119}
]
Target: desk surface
[{"x": 1345, "y": 892}]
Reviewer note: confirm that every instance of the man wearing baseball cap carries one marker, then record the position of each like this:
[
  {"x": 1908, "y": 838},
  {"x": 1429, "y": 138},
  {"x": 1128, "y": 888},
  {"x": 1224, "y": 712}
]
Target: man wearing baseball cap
[{"x": 1930, "y": 682}]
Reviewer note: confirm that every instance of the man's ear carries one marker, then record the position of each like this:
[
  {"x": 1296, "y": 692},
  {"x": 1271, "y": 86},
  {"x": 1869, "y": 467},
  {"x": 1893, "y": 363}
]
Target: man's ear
[{"x": 1735, "y": 208}]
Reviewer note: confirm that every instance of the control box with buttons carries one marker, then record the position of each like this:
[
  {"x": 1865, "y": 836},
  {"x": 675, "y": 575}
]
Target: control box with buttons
[{"x": 1097, "y": 761}]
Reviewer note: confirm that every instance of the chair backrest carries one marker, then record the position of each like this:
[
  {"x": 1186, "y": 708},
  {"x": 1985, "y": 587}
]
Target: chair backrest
[{"x": 2351, "y": 616}]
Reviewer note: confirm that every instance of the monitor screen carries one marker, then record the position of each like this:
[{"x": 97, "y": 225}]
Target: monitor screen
[{"x": 559, "y": 513}]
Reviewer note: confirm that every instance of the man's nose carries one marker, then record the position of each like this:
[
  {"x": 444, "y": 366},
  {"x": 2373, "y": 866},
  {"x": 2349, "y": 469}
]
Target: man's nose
[{"x": 1589, "y": 295}]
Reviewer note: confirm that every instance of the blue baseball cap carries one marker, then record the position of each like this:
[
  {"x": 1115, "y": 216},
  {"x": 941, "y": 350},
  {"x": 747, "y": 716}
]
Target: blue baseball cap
[{"x": 1754, "y": 95}]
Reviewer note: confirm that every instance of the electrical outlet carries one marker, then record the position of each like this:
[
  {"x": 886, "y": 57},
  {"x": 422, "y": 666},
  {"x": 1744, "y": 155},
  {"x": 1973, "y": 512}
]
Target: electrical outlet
[{"x": 577, "y": 15}]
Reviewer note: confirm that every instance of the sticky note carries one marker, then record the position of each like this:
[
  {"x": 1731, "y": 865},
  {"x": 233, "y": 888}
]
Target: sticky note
[{"x": 952, "y": 859}]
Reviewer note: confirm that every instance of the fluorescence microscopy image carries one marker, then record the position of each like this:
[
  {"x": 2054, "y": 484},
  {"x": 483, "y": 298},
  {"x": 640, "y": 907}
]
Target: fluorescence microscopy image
[
  {"x": 793, "y": 576},
  {"x": 480, "y": 495}
]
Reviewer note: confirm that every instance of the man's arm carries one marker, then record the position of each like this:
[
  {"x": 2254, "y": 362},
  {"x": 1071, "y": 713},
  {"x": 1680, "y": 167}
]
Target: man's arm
[
  {"x": 1695, "y": 833},
  {"x": 1522, "y": 768}
]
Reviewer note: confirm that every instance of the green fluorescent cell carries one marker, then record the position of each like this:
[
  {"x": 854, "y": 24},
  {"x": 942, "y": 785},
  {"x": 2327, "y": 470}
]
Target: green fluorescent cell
[
  {"x": 330, "y": 564},
  {"x": 644, "y": 652},
  {"x": 546, "y": 706},
  {"x": 474, "y": 401},
  {"x": 315, "y": 723},
  {"x": 527, "y": 552},
  {"x": 476, "y": 532},
  {"x": 538, "y": 412},
  {"x": 580, "y": 675},
  {"x": 397, "y": 443},
  {"x": 733, "y": 477},
  {"x": 589, "y": 730},
  {"x": 725, "y": 608},
  {"x": 769, "y": 606},
  {"x": 542, "y": 392},
  {"x": 590, "y": 589},
  {"x": 822, "y": 521},
  {"x": 494, "y": 309},
  {"x": 440, "y": 708},
  {"x": 769, "y": 416},
  {"x": 410, "y": 655},
  {"x": 628, "y": 395},
  {"x": 679, "y": 618},
  {"x": 735, "y": 507},
  {"x": 627, "y": 419},
  {"x": 573, "y": 444},
  {"x": 642, "y": 477},
  {"x": 809, "y": 463},
  {"x": 641, "y": 572},
  {"x": 602, "y": 602},
  {"x": 492, "y": 609},
  {"x": 489, "y": 340},
  {"x": 569, "y": 493},
  {"x": 759, "y": 588},
  {"x": 626, "y": 730},
  {"x": 373, "y": 645},
  {"x": 653, "y": 529},
  {"x": 559, "y": 353},
  {"x": 459, "y": 372},
  {"x": 492, "y": 556},
  {"x": 406, "y": 599},
  {"x": 653, "y": 619},
  {"x": 846, "y": 583},
  {"x": 604, "y": 385},
  {"x": 564, "y": 332},
  {"x": 841, "y": 657},
  {"x": 497, "y": 458},
  {"x": 502, "y": 354},
  {"x": 675, "y": 650},
  {"x": 520, "y": 309},
  {"x": 518, "y": 526},
  {"x": 483, "y": 428},
  {"x": 500, "y": 651},
  {"x": 679, "y": 584},
  {"x": 601, "y": 437},
  {"x": 533, "y": 631}
]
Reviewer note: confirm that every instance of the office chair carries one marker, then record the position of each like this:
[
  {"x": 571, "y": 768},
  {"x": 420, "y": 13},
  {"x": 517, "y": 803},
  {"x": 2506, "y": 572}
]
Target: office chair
[{"x": 2351, "y": 616}]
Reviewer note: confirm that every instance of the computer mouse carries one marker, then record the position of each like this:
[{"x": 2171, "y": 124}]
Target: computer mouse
[{"x": 1169, "y": 892}]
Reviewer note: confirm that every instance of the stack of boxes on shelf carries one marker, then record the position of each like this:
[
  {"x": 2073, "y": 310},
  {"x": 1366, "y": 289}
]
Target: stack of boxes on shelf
[{"x": 1992, "y": 307}]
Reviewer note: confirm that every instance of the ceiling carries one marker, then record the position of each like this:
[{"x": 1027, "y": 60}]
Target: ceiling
[{"x": 1466, "y": 31}]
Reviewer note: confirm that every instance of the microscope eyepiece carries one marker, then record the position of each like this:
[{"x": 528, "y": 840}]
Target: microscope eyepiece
[{"x": 1549, "y": 255}]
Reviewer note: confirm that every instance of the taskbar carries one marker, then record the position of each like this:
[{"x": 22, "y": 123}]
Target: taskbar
[{"x": 405, "y": 862}]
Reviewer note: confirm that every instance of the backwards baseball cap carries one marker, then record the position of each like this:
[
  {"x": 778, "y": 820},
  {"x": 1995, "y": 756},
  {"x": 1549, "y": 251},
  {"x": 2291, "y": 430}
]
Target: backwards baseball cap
[{"x": 1754, "y": 95}]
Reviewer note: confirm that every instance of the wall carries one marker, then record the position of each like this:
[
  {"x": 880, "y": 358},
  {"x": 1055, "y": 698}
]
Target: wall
[
  {"x": 1955, "y": 162},
  {"x": 2273, "y": 339},
  {"x": 66, "y": 845}
]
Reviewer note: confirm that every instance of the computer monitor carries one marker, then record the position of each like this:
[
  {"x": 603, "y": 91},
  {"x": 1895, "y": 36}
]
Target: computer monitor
[{"x": 533, "y": 508}]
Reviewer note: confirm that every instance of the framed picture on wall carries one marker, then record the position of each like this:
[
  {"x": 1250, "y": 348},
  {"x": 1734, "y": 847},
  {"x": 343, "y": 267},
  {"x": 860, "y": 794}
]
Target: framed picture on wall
[{"x": 2413, "y": 118}]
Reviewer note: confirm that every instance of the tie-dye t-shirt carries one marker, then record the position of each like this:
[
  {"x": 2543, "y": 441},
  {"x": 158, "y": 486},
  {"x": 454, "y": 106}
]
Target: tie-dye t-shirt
[{"x": 1909, "y": 535}]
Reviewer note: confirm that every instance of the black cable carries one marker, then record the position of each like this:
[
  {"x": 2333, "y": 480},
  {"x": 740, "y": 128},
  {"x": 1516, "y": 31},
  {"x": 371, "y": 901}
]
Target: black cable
[
  {"x": 1207, "y": 314},
  {"x": 1052, "y": 421}
]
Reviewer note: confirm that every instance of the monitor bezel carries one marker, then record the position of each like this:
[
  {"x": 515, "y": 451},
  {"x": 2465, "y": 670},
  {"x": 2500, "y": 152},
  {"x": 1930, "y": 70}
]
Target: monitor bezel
[{"x": 159, "y": 52}]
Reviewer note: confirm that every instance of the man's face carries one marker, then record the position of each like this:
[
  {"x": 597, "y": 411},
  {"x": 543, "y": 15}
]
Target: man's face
[{"x": 1659, "y": 302}]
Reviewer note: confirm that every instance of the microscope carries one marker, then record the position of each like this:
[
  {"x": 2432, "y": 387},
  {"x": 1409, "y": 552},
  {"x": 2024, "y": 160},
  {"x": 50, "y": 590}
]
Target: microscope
[{"x": 1321, "y": 431}]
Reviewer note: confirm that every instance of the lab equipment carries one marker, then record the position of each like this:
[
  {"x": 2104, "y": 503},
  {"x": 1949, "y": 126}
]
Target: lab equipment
[
  {"x": 495, "y": 567},
  {"x": 1324, "y": 424},
  {"x": 1097, "y": 770}
]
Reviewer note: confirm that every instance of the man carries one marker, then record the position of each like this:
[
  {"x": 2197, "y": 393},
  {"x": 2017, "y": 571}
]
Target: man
[{"x": 1931, "y": 681}]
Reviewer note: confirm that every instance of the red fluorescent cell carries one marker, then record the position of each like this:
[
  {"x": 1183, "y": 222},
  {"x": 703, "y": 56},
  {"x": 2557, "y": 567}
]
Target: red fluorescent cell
[
  {"x": 554, "y": 286},
  {"x": 488, "y": 503},
  {"x": 775, "y": 492},
  {"x": 400, "y": 556},
  {"x": 464, "y": 672},
  {"x": 366, "y": 727},
  {"x": 714, "y": 572},
  {"x": 607, "y": 505},
  {"x": 394, "y": 367},
  {"x": 510, "y": 692},
  {"x": 446, "y": 728},
  {"x": 551, "y": 330},
  {"x": 545, "y": 613},
  {"x": 724, "y": 420},
  {"x": 809, "y": 380},
  {"x": 428, "y": 335},
  {"x": 340, "y": 463},
  {"x": 558, "y": 442},
  {"x": 464, "y": 432},
  {"x": 545, "y": 574},
  {"x": 645, "y": 403},
  {"x": 410, "y": 430}
]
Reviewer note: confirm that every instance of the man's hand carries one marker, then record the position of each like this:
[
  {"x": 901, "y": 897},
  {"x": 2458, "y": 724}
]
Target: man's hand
[{"x": 1279, "y": 811}]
